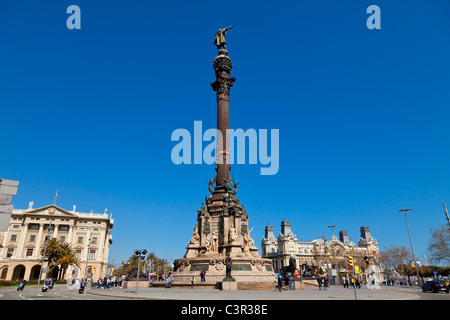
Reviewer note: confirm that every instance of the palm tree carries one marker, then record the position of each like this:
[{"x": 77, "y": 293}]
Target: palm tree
[
  {"x": 53, "y": 250},
  {"x": 151, "y": 257},
  {"x": 67, "y": 258}
]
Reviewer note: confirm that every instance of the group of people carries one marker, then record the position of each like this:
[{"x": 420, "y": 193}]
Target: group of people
[
  {"x": 323, "y": 281},
  {"x": 346, "y": 281},
  {"x": 109, "y": 282},
  {"x": 202, "y": 278},
  {"x": 288, "y": 283}
]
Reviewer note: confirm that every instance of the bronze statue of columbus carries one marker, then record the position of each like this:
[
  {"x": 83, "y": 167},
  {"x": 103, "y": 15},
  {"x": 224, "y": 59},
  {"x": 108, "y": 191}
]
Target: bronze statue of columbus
[{"x": 219, "y": 39}]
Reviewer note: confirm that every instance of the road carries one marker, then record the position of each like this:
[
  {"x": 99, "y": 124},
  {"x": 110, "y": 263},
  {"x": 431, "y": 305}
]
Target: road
[
  {"x": 426, "y": 295},
  {"x": 63, "y": 292},
  {"x": 59, "y": 292}
]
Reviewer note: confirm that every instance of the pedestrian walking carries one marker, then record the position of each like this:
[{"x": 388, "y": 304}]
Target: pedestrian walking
[
  {"x": 280, "y": 283},
  {"x": 319, "y": 281},
  {"x": 325, "y": 283},
  {"x": 203, "y": 275},
  {"x": 192, "y": 282},
  {"x": 286, "y": 282}
]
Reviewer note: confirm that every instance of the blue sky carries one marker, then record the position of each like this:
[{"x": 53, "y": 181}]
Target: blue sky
[{"x": 363, "y": 114}]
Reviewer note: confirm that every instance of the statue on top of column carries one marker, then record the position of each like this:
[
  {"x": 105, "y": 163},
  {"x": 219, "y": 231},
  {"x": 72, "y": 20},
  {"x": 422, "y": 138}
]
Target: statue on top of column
[{"x": 219, "y": 39}]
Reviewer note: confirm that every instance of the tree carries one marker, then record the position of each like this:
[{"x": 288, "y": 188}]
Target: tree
[
  {"x": 439, "y": 244},
  {"x": 60, "y": 254},
  {"x": 66, "y": 258},
  {"x": 53, "y": 250},
  {"x": 396, "y": 258}
]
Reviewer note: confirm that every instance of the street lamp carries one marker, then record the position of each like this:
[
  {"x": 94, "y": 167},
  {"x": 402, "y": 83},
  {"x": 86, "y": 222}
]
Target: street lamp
[
  {"x": 47, "y": 239},
  {"x": 138, "y": 253},
  {"x": 87, "y": 259},
  {"x": 446, "y": 216},
  {"x": 335, "y": 259},
  {"x": 412, "y": 248}
]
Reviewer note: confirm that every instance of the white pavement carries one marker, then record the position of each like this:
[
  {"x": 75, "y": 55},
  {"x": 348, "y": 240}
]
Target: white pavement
[{"x": 310, "y": 293}]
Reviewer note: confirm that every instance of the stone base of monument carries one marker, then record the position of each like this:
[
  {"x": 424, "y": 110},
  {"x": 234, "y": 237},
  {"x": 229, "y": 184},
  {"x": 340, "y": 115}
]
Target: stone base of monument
[
  {"x": 229, "y": 285},
  {"x": 299, "y": 285},
  {"x": 132, "y": 284},
  {"x": 249, "y": 272}
]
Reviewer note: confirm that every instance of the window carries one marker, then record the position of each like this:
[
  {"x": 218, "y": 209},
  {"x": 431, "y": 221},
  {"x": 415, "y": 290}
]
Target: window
[
  {"x": 95, "y": 229},
  {"x": 16, "y": 226},
  {"x": 80, "y": 240},
  {"x": 29, "y": 252},
  {"x": 78, "y": 253},
  {"x": 32, "y": 238},
  {"x": 92, "y": 254},
  {"x": 64, "y": 228},
  {"x": 10, "y": 252},
  {"x": 82, "y": 229},
  {"x": 62, "y": 239},
  {"x": 13, "y": 237},
  {"x": 94, "y": 240},
  {"x": 34, "y": 227}
]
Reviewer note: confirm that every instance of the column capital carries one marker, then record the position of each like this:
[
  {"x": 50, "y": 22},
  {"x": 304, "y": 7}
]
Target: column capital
[{"x": 222, "y": 66}]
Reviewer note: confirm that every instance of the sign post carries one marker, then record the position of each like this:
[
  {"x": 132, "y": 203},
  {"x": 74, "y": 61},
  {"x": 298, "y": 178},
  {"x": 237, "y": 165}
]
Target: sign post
[{"x": 8, "y": 189}]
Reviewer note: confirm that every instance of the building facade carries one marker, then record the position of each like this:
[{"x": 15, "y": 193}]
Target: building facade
[
  {"x": 321, "y": 256},
  {"x": 88, "y": 234}
]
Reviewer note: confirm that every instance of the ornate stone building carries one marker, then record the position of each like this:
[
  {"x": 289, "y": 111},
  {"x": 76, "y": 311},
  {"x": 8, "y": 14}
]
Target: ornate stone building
[
  {"x": 321, "y": 256},
  {"x": 89, "y": 235}
]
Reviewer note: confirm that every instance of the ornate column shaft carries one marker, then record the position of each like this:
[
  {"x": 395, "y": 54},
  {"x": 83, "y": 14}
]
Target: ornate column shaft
[{"x": 222, "y": 67}]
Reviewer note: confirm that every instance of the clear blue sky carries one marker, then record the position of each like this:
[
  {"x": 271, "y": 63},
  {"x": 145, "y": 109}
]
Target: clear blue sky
[{"x": 363, "y": 114}]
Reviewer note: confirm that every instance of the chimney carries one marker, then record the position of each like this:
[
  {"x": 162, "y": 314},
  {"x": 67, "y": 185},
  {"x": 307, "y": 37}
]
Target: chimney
[
  {"x": 269, "y": 233},
  {"x": 285, "y": 228},
  {"x": 343, "y": 236},
  {"x": 365, "y": 233}
]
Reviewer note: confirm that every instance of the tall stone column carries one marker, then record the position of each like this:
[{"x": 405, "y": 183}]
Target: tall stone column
[
  {"x": 21, "y": 244},
  {"x": 222, "y": 67},
  {"x": 37, "y": 252},
  {"x": 70, "y": 235}
]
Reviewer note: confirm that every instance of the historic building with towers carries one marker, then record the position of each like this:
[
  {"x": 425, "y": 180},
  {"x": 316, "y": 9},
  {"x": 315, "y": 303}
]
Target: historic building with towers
[
  {"x": 323, "y": 256},
  {"x": 23, "y": 240}
]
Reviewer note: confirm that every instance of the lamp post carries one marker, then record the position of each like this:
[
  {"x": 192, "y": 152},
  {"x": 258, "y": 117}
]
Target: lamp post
[
  {"x": 446, "y": 216},
  {"x": 138, "y": 253},
  {"x": 412, "y": 248},
  {"x": 87, "y": 259},
  {"x": 334, "y": 251},
  {"x": 47, "y": 238}
]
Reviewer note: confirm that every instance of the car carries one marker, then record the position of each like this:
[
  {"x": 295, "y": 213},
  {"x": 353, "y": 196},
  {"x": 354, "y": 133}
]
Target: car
[{"x": 435, "y": 286}]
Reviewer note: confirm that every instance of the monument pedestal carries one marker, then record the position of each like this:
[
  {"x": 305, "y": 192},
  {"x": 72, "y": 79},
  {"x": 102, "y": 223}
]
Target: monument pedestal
[
  {"x": 229, "y": 285},
  {"x": 299, "y": 285}
]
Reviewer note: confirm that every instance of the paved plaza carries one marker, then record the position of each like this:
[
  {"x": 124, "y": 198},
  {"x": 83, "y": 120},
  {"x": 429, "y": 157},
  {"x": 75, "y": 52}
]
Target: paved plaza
[{"x": 309, "y": 293}]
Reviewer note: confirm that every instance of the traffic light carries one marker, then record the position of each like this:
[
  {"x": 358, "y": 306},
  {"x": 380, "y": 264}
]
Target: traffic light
[
  {"x": 366, "y": 260},
  {"x": 350, "y": 262}
]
